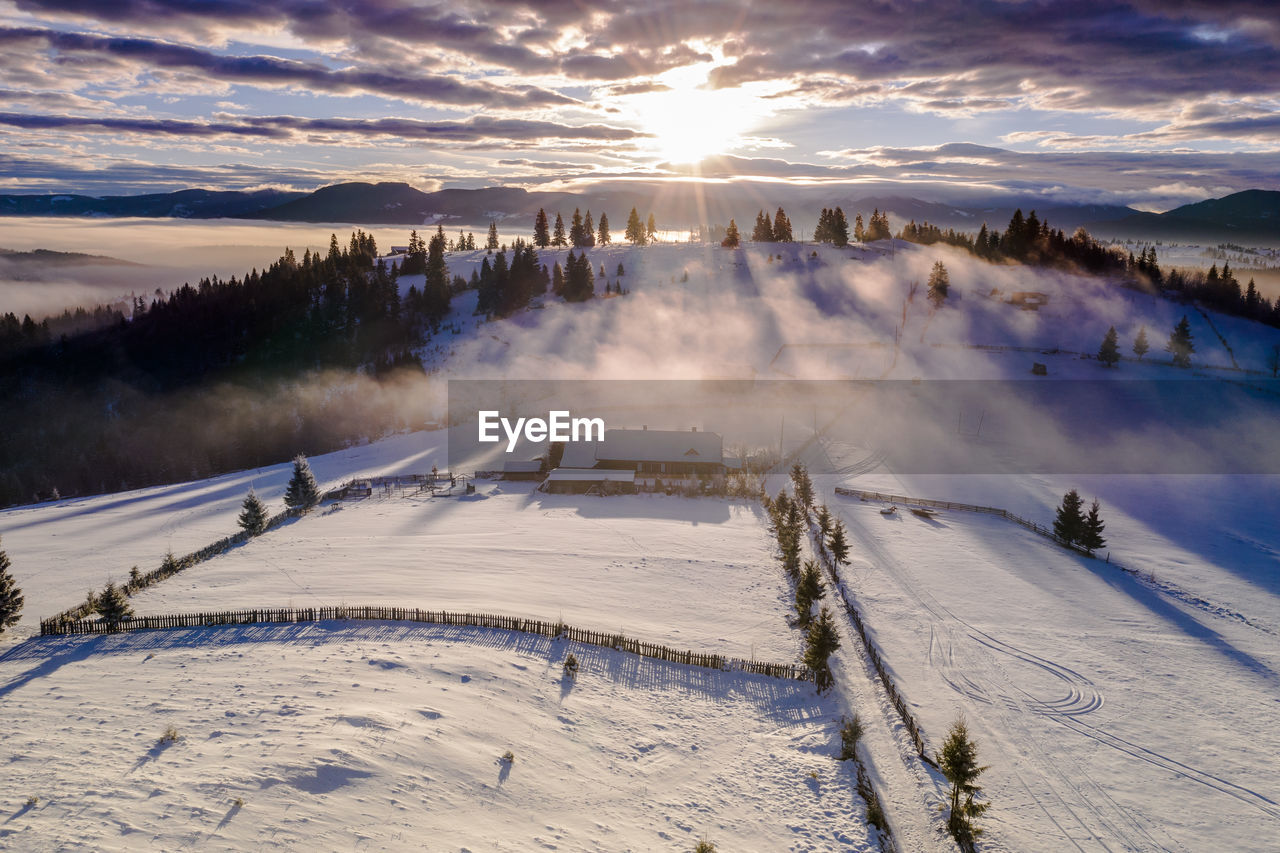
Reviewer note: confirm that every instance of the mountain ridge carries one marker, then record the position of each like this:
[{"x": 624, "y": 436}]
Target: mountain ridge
[{"x": 1249, "y": 214}]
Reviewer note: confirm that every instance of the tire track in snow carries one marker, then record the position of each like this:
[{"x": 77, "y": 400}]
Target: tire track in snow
[{"x": 1061, "y": 799}]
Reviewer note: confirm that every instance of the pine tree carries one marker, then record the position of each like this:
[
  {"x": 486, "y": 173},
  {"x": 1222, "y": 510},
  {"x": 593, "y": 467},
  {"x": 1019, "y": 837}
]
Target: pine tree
[
  {"x": 824, "y": 522},
  {"x": 803, "y": 486},
  {"x": 808, "y": 590},
  {"x": 939, "y": 284},
  {"x": 763, "y": 232},
  {"x": 1252, "y": 301},
  {"x": 1180, "y": 343},
  {"x": 557, "y": 279},
  {"x": 839, "y": 228},
  {"x": 541, "y": 230},
  {"x": 253, "y": 520},
  {"x": 113, "y": 606},
  {"x": 838, "y": 544},
  {"x": 731, "y": 237},
  {"x": 781, "y": 227},
  {"x": 1109, "y": 352},
  {"x": 1091, "y": 535},
  {"x": 820, "y": 643},
  {"x": 859, "y": 230},
  {"x": 588, "y": 231},
  {"x": 576, "y": 237},
  {"x": 10, "y": 595},
  {"x": 493, "y": 236},
  {"x": 558, "y": 238},
  {"x": 1069, "y": 525},
  {"x": 651, "y": 230},
  {"x": 958, "y": 762},
  {"x": 602, "y": 236},
  {"x": 1140, "y": 345},
  {"x": 435, "y": 290},
  {"x": 1273, "y": 358},
  {"x": 822, "y": 231},
  {"x": 635, "y": 229},
  {"x": 303, "y": 493}
]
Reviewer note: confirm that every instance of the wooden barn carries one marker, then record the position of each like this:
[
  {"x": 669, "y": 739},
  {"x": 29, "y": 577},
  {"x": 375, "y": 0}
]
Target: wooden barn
[{"x": 653, "y": 457}]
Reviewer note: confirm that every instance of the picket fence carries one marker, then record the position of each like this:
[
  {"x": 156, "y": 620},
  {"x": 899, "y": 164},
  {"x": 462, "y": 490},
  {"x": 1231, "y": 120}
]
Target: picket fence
[{"x": 291, "y": 615}]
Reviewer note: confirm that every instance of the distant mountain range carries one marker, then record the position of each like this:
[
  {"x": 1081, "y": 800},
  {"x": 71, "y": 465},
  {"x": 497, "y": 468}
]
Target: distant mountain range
[
  {"x": 1250, "y": 215},
  {"x": 47, "y": 257},
  {"x": 184, "y": 204}
]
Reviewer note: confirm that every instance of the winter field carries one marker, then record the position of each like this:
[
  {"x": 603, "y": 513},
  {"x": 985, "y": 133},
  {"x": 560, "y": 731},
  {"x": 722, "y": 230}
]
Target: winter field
[
  {"x": 1114, "y": 715},
  {"x": 1116, "y": 711}
]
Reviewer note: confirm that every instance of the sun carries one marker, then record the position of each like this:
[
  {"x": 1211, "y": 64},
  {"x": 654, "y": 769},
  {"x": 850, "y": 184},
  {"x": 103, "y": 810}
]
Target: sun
[{"x": 689, "y": 120}]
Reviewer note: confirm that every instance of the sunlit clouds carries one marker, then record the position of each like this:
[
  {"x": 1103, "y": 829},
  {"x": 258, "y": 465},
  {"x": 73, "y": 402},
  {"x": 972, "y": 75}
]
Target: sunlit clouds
[{"x": 446, "y": 93}]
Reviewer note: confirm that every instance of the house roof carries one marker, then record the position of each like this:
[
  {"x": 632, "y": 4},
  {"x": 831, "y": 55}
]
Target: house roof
[
  {"x": 522, "y": 466},
  {"x": 591, "y": 475},
  {"x": 646, "y": 445}
]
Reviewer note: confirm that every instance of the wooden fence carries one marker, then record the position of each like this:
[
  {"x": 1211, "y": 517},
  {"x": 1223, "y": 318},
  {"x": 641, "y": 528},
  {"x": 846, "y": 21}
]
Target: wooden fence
[
  {"x": 873, "y": 654},
  {"x": 291, "y": 615},
  {"x": 171, "y": 564},
  {"x": 1046, "y": 532}
]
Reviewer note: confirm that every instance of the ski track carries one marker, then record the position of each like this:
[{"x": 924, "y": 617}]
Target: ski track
[{"x": 1062, "y": 801}]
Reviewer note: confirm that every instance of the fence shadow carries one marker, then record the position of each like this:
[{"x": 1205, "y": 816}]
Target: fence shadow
[{"x": 786, "y": 699}]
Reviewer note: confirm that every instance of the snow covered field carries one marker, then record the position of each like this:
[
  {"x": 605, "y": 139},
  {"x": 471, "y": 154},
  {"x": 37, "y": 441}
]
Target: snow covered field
[
  {"x": 61, "y": 550},
  {"x": 1114, "y": 716},
  {"x": 389, "y": 737},
  {"x": 689, "y": 573}
]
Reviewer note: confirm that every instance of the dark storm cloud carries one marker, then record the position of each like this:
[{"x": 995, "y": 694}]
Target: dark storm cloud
[
  {"x": 274, "y": 71},
  {"x": 286, "y": 127}
]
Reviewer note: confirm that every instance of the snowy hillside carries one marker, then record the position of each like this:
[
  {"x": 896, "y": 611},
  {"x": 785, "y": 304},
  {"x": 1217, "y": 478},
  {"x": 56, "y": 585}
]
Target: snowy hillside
[
  {"x": 813, "y": 312},
  {"x": 1118, "y": 711}
]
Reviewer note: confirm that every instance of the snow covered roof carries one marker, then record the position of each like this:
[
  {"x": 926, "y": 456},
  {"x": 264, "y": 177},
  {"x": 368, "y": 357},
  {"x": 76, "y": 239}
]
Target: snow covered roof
[
  {"x": 646, "y": 445},
  {"x": 593, "y": 475}
]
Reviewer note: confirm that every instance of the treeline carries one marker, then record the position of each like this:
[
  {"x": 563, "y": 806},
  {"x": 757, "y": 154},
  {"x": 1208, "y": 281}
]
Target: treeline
[
  {"x": 1221, "y": 291},
  {"x": 1029, "y": 240},
  {"x": 17, "y": 335},
  {"x": 222, "y": 375},
  {"x": 583, "y": 233}
]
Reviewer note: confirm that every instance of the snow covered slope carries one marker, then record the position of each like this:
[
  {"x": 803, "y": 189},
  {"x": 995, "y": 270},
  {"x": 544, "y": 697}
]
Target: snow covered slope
[{"x": 390, "y": 737}]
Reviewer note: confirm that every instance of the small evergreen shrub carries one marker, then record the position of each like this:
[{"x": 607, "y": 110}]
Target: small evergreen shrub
[
  {"x": 704, "y": 846},
  {"x": 508, "y": 757},
  {"x": 170, "y": 736},
  {"x": 571, "y": 666},
  {"x": 850, "y": 733}
]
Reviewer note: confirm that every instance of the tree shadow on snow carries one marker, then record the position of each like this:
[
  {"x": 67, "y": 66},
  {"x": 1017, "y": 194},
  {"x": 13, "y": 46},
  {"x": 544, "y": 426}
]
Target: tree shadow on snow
[
  {"x": 228, "y": 817},
  {"x": 1170, "y": 613}
]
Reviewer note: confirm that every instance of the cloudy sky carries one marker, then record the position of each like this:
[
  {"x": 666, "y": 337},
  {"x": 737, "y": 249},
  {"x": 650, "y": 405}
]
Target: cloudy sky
[{"x": 1148, "y": 102}]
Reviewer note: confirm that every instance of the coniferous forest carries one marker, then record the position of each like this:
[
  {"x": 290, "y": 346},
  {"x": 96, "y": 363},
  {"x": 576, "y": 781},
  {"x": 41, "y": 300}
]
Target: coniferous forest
[
  {"x": 219, "y": 375},
  {"x": 314, "y": 352}
]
